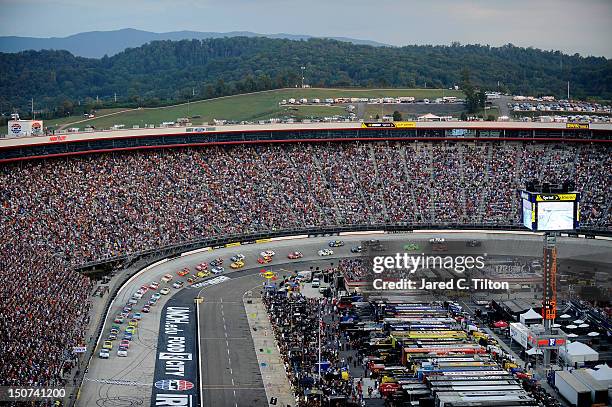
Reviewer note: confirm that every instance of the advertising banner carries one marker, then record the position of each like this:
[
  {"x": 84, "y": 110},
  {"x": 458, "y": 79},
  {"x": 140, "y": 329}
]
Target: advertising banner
[
  {"x": 25, "y": 128},
  {"x": 175, "y": 377},
  {"x": 389, "y": 125}
]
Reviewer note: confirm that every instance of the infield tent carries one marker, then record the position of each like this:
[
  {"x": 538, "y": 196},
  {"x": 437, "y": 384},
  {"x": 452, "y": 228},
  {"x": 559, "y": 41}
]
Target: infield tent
[
  {"x": 578, "y": 352},
  {"x": 530, "y": 317}
]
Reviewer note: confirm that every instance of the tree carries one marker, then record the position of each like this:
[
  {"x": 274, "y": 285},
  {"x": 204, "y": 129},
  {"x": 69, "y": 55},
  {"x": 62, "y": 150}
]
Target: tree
[
  {"x": 463, "y": 116},
  {"x": 397, "y": 116}
]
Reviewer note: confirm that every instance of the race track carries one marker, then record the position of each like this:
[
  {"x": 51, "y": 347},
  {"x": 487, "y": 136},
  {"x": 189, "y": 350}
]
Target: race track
[{"x": 230, "y": 375}]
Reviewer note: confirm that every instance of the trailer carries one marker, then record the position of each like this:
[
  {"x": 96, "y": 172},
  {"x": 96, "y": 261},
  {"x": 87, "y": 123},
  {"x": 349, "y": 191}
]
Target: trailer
[
  {"x": 476, "y": 382},
  {"x": 483, "y": 400},
  {"x": 599, "y": 391},
  {"x": 478, "y": 387},
  {"x": 469, "y": 379},
  {"x": 573, "y": 390}
]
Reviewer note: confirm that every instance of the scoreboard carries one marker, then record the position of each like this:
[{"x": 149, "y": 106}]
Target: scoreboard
[{"x": 548, "y": 212}]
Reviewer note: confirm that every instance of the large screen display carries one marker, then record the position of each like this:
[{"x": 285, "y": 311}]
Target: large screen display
[
  {"x": 555, "y": 216},
  {"x": 527, "y": 214}
]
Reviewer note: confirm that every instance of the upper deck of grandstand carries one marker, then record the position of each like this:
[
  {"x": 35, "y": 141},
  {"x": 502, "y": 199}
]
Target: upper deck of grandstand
[{"x": 70, "y": 143}]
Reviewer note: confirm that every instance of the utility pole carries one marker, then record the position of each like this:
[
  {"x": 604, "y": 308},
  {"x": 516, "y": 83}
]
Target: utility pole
[
  {"x": 568, "y": 95},
  {"x": 303, "y": 76},
  {"x": 115, "y": 97},
  {"x": 32, "y": 108}
]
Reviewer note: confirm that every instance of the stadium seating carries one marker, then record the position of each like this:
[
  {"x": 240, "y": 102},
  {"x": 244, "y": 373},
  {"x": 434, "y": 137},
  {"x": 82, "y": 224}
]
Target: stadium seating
[{"x": 62, "y": 212}]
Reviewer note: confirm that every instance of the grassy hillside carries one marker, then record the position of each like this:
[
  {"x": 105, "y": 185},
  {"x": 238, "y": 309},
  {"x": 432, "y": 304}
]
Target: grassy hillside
[{"x": 253, "y": 106}]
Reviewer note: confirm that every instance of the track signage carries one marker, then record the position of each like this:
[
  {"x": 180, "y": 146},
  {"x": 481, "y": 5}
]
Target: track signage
[
  {"x": 388, "y": 125},
  {"x": 175, "y": 365}
]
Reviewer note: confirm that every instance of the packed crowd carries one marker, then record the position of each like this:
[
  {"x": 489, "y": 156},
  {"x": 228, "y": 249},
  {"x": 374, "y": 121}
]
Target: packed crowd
[
  {"x": 297, "y": 334},
  {"x": 99, "y": 206},
  {"x": 43, "y": 315},
  {"x": 73, "y": 210}
]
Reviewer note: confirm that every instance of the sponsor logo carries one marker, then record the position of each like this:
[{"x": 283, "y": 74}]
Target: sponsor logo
[
  {"x": 36, "y": 128},
  {"x": 233, "y": 244},
  {"x": 214, "y": 281},
  {"x": 15, "y": 128},
  {"x": 174, "y": 384},
  {"x": 389, "y": 125},
  {"x": 577, "y": 125},
  {"x": 556, "y": 197}
]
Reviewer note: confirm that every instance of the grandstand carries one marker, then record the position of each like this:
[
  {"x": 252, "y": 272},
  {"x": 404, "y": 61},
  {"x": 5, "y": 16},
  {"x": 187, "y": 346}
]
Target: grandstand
[{"x": 62, "y": 212}]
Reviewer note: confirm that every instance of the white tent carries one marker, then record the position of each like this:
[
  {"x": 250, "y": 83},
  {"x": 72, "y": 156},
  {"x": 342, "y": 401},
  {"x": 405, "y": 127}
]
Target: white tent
[
  {"x": 565, "y": 316},
  {"x": 578, "y": 322},
  {"x": 603, "y": 374},
  {"x": 530, "y": 317},
  {"x": 578, "y": 352},
  {"x": 572, "y": 336},
  {"x": 429, "y": 117},
  {"x": 593, "y": 334}
]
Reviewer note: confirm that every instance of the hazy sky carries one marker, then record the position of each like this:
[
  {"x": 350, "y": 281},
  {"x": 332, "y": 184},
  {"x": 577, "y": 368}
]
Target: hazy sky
[{"x": 583, "y": 26}]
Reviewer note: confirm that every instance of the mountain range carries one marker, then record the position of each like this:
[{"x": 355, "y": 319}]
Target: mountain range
[{"x": 96, "y": 44}]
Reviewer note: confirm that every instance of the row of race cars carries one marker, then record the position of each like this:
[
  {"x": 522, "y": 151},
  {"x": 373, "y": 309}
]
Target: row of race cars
[
  {"x": 130, "y": 314},
  {"x": 201, "y": 271}
]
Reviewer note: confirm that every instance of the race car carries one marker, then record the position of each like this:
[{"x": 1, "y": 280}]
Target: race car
[
  {"x": 237, "y": 264},
  {"x": 295, "y": 255},
  {"x": 217, "y": 270},
  {"x": 164, "y": 290},
  {"x": 119, "y": 319},
  {"x": 166, "y": 278},
  {"x": 131, "y": 330},
  {"x": 137, "y": 316},
  {"x": 183, "y": 272},
  {"x": 104, "y": 354},
  {"x": 216, "y": 262},
  {"x": 267, "y": 253},
  {"x": 144, "y": 288},
  {"x": 191, "y": 280},
  {"x": 107, "y": 345},
  {"x": 237, "y": 257},
  {"x": 409, "y": 247},
  {"x": 336, "y": 243},
  {"x": 264, "y": 259},
  {"x": 325, "y": 252},
  {"x": 122, "y": 352},
  {"x": 128, "y": 336},
  {"x": 178, "y": 284},
  {"x": 154, "y": 285},
  {"x": 202, "y": 267},
  {"x": 356, "y": 249},
  {"x": 125, "y": 343},
  {"x": 203, "y": 274},
  {"x": 146, "y": 309},
  {"x": 156, "y": 296}
]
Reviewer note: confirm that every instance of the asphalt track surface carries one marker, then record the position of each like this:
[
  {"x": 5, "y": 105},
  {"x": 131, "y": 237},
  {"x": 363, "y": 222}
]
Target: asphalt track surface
[{"x": 231, "y": 365}]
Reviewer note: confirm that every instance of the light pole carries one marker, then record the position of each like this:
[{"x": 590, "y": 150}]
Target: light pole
[{"x": 303, "y": 68}]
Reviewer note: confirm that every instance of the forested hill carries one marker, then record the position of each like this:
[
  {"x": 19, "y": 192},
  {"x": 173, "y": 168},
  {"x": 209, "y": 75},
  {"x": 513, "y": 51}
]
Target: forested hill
[{"x": 172, "y": 71}]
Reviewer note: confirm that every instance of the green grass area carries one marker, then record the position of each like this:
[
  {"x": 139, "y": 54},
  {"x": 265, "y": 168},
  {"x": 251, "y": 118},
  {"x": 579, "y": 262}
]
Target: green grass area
[
  {"x": 254, "y": 106},
  {"x": 71, "y": 119}
]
